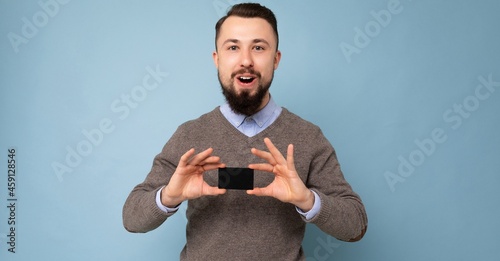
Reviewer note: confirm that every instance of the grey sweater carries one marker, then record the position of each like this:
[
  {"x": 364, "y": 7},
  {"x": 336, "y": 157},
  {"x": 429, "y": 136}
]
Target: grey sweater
[{"x": 237, "y": 226}]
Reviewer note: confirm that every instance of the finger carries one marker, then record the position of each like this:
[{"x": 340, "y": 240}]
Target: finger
[
  {"x": 212, "y": 191},
  {"x": 185, "y": 158},
  {"x": 259, "y": 192},
  {"x": 274, "y": 151},
  {"x": 213, "y": 166},
  {"x": 264, "y": 155},
  {"x": 261, "y": 166},
  {"x": 289, "y": 157},
  {"x": 210, "y": 160},
  {"x": 200, "y": 157}
]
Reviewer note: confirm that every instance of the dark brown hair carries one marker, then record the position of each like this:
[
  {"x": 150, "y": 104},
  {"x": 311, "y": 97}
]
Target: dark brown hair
[{"x": 249, "y": 10}]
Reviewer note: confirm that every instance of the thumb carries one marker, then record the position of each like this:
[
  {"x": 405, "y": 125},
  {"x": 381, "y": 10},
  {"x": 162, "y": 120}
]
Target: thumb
[
  {"x": 212, "y": 191},
  {"x": 259, "y": 191}
]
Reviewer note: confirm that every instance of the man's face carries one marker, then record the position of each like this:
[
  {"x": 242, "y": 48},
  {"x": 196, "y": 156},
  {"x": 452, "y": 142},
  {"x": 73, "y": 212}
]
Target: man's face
[{"x": 246, "y": 58}]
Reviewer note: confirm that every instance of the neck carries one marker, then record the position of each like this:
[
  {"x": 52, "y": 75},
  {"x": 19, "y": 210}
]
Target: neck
[{"x": 265, "y": 101}]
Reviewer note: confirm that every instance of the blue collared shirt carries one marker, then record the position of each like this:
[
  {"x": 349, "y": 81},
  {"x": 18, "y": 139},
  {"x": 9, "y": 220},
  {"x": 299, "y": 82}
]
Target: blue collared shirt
[{"x": 251, "y": 126}]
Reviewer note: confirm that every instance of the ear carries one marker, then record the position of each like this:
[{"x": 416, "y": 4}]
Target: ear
[
  {"x": 216, "y": 59},
  {"x": 277, "y": 59}
]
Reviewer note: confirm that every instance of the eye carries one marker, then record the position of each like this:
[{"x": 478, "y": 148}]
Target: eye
[
  {"x": 233, "y": 48},
  {"x": 259, "y": 48}
]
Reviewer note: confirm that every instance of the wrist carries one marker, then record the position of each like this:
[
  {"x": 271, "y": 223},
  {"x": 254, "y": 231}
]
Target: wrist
[
  {"x": 307, "y": 203},
  {"x": 167, "y": 200}
]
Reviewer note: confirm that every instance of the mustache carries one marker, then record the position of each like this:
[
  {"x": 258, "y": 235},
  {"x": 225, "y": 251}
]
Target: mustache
[{"x": 246, "y": 70}]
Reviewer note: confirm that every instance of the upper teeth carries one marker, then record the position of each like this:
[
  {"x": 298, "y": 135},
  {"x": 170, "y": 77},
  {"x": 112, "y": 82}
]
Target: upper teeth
[{"x": 246, "y": 78}]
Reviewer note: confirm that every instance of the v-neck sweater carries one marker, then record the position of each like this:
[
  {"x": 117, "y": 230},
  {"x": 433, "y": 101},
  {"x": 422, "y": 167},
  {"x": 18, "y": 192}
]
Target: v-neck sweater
[{"x": 237, "y": 226}]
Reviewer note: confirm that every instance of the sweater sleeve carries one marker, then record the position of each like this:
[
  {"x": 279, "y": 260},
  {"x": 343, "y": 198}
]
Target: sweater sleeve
[
  {"x": 342, "y": 214},
  {"x": 140, "y": 211}
]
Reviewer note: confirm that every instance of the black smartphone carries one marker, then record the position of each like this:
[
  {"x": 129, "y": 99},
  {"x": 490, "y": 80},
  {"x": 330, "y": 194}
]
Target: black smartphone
[{"x": 236, "y": 178}]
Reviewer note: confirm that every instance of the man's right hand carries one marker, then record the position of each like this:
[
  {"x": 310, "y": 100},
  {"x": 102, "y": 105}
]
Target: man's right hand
[{"x": 187, "y": 181}]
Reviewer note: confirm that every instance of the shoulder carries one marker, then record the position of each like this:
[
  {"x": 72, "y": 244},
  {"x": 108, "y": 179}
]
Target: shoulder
[
  {"x": 292, "y": 120},
  {"x": 194, "y": 132},
  {"x": 301, "y": 131},
  {"x": 204, "y": 120}
]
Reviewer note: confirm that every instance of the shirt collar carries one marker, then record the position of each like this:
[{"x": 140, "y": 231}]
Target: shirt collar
[{"x": 261, "y": 117}]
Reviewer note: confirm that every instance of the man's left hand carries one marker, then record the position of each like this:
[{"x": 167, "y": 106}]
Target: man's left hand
[{"x": 287, "y": 185}]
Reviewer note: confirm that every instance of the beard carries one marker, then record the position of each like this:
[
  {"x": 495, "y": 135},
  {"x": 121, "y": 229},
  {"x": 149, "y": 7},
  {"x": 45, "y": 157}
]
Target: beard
[{"x": 245, "y": 103}]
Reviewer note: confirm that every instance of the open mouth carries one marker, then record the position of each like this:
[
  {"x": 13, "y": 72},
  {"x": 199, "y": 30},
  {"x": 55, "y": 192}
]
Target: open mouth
[{"x": 246, "y": 79}]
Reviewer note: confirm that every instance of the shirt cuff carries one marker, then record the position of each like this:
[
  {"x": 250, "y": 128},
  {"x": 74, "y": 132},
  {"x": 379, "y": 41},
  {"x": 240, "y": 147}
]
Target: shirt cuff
[
  {"x": 314, "y": 210},
  {"x": 161, "y": 206}
]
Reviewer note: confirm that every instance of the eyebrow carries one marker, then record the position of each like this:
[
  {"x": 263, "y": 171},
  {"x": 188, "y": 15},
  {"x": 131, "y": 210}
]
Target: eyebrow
[{"x": 258, "y": 40}]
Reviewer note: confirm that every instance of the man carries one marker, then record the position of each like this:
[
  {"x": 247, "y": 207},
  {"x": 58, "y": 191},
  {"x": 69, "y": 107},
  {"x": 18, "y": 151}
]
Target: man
[{"x": 305, "y": 184}]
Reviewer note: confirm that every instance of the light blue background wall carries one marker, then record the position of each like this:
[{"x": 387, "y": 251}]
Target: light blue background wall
[{"x": 402, "y": 82}]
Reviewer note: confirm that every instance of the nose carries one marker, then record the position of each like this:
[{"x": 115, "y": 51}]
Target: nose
[{"x": 246, "y": 59}]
